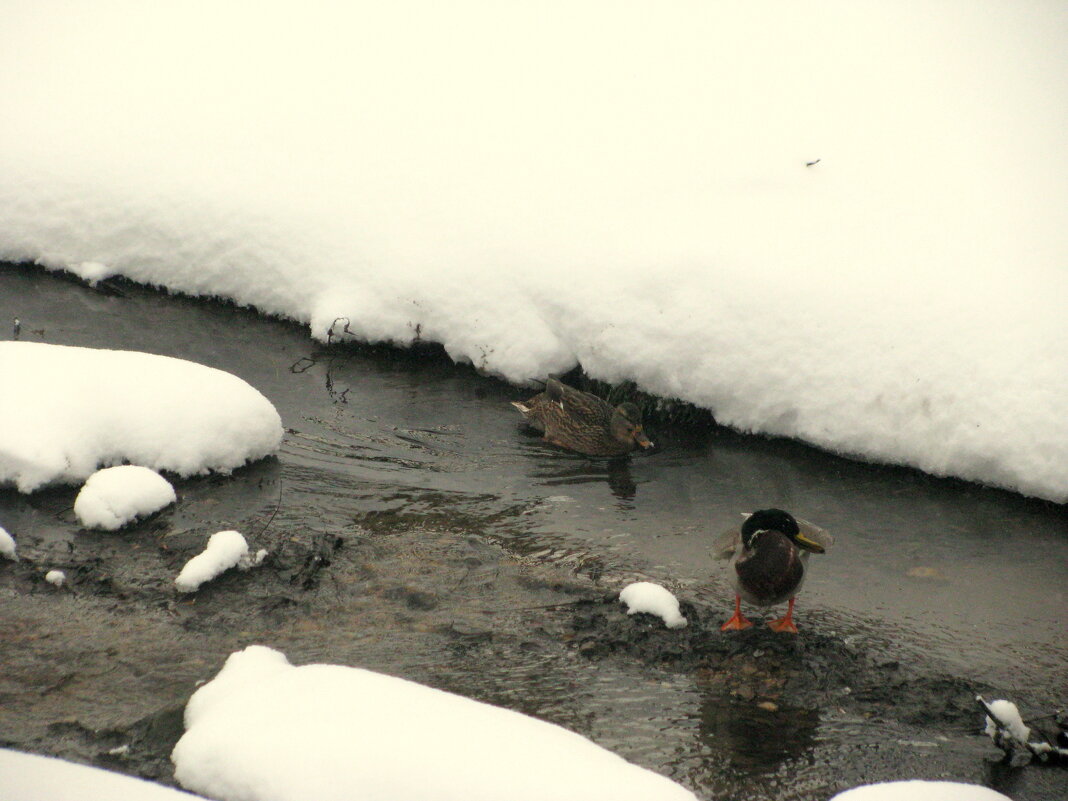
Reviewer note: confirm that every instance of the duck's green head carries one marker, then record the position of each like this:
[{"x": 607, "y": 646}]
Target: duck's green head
[
  {"x": 627, "y": 425},
  {"x": 776, "y": 520}
]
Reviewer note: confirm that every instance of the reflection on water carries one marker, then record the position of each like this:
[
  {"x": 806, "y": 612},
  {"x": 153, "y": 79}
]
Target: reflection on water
[{"x": 756, "y": 740}]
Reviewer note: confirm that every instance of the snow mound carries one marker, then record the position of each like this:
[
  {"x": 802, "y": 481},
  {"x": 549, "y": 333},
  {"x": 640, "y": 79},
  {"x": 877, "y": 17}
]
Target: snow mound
[
  {"x": 65, "y": 411},
  {"x": 7, "y": 545},
  {"x": 225, "y": 549},
  {"x": 29, "y": 777},
  {"x": 115, "y": 496},
  {"x": 263, "y": 729},
  {"x": 56, "y": 577},
  {"x": 645, "y": 596},
  {"x": 919, "y": 790}
]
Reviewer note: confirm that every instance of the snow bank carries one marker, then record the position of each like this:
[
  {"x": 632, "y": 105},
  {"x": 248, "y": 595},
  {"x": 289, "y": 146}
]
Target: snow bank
[
  {"x": 7, "y": 545},
  {"x": 56, "y": 577},
  {"x": 115, "y": 496},
  {"x": 28, "y": 777},
  {"x": 644, "y": 596},
  {"x": 263, "y": 729},
  {"x": 64, "y": 411},
  {"x": 225, "y": 549},
  {"x": 917, "y": 790},
  {"x": 637, "y": 201}
]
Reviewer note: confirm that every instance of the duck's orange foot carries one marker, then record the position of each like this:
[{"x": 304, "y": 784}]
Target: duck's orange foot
[
  {"x": 736, "y": 623},
  {"x": 783, "y": 624}
]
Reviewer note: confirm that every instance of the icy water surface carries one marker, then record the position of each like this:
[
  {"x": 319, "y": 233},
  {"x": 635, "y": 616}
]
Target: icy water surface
[{"x": 422, "y": 531}]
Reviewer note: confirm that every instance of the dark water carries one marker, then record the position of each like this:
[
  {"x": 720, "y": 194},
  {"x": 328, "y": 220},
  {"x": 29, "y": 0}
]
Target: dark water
[{"x": 969, "y": 581}]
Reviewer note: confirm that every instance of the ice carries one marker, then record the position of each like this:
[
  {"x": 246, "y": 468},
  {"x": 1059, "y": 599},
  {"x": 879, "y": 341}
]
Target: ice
[
  {"x": 618, "y": 185},
  {"x": 918, "y": 790},
  {"x": 116, "y": 496},
  {"x": 28, "y": 777},
  {"x": 225, "y": 549},
  {"x": 56, "y": 577},
  {"x": 263, "y": 729},
  {"x": 65, "y": 411},
  {"x": 645, "y": 596},
  {"x": 7, "y": 545}
]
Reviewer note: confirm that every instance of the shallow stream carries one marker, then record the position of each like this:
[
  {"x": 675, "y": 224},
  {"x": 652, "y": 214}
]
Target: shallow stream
[{"x": 416, "y": 527}]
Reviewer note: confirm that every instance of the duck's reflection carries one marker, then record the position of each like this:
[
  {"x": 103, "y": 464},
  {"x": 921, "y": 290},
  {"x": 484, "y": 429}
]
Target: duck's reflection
[
  {"x": 755, "y": 739},
  {"x": 565, "y": 470}
]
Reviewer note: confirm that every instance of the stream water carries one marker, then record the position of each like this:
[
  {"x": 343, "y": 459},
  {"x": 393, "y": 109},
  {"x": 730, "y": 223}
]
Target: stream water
[{"x": 417, "y": 526}]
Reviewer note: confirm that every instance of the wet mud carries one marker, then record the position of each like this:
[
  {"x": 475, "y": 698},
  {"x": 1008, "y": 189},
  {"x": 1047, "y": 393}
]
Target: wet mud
[{"x": 413, "y": 528}]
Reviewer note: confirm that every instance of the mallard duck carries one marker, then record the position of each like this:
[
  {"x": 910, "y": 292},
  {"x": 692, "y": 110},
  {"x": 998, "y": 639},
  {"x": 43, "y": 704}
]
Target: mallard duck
[
  {"x": 768, "y": 562},
  {"x": 583, "y": 422}
]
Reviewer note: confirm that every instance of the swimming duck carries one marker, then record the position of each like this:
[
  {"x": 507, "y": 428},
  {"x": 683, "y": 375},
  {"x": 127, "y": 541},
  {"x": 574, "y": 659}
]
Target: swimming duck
[
  {"x": 768, "y": 561},
  {"x": 583, "y": 422}
]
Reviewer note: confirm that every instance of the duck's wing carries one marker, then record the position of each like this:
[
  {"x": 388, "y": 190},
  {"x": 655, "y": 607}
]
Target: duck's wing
[
  {"x": 725, "y": 545},
  {"x": 581, "y": 407},
  {"x": 815, "y": 533}
]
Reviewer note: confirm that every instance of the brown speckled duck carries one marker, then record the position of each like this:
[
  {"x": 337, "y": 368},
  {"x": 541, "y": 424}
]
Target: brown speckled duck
[
  {"x": 583, "y": 422},
  {"x": 768, "y": 561}
]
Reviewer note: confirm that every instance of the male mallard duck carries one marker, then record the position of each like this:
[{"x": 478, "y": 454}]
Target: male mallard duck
[
  {"x": 768, "y": 560},
  {"x": 583, "y": 422}
]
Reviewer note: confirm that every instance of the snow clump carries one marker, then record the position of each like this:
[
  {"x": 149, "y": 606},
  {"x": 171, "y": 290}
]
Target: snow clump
[
  {"x": 116, "y": 496},
  {"x": 56, "y": 577},
  {"x": 915, "y": 789},
  {"x": 225, "y": 549},
  {"x": 644, "y": 596},
  {"x": 1008, "y": 713},
  {"x": 7, "y": 545}
]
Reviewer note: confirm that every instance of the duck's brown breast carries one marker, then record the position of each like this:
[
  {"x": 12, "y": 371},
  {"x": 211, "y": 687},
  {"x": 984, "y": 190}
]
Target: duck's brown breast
[{"x": 773, "y": 570}]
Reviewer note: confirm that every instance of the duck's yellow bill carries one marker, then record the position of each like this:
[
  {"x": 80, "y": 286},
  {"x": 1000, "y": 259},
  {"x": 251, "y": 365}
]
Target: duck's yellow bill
[{"x": 808, "y": 544}]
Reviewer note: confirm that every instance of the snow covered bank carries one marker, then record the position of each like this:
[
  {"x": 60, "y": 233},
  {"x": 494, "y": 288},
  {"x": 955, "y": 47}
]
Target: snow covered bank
[
  {"x": 115, "y": 496},
  {"x": 28, "y": 777},
  {"x": 65, "y": 411},
  {"x": 263, "y": 729},
  {"x": 623, "y": 186}
]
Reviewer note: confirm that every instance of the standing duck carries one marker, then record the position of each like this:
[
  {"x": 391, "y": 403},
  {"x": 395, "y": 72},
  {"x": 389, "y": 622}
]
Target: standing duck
[
  {"x": 768, "y": 561},
  {"x": 583, "y": 422}
]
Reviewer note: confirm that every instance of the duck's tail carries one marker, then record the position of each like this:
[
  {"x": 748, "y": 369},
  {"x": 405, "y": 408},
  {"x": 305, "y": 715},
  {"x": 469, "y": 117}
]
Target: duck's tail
[{"x": 523, "y": 408}]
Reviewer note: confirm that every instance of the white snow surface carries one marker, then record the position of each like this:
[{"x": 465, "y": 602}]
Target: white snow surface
[
  {"x": 645, "y": 596},
  {"x": 225, "y": 549},
  {"x": 264, "y": 729},
  {"x": 29, "y": 777},
  {"x": 65, "y": 411},
  {"x": 1009, "y": 714},
  {"x": 7, "y": 545},
  {"x": 920, "y": 790},
  {"x": 618, "y": 185},
  {"x": 115, "y": 496},
  {"x": 56, "y": 577}
]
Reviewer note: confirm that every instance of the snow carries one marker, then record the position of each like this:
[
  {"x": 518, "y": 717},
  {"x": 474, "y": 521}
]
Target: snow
[
  {"x": 225, "y": 549},
  {"x": 65, "y": 411},
  {"x": 918, "y": 790},
  {"x": 618, "y": 185},
  {"x": 28, "y": 777},
  {"x": 7, "y": 545},
  {"x": 1009, "y": 715},
  {"x": 56, "y": 577},
  {"x": 116, "y": 496},
  {"x": 645, "y": 596},
  {"x": 264, "y": 729}
]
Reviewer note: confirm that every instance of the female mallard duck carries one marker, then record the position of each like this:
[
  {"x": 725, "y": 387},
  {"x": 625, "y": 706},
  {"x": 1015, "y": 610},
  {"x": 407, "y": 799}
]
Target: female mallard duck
[
  {"x": 768, "y": 561},
  {"x": 583, "y": 422}
]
